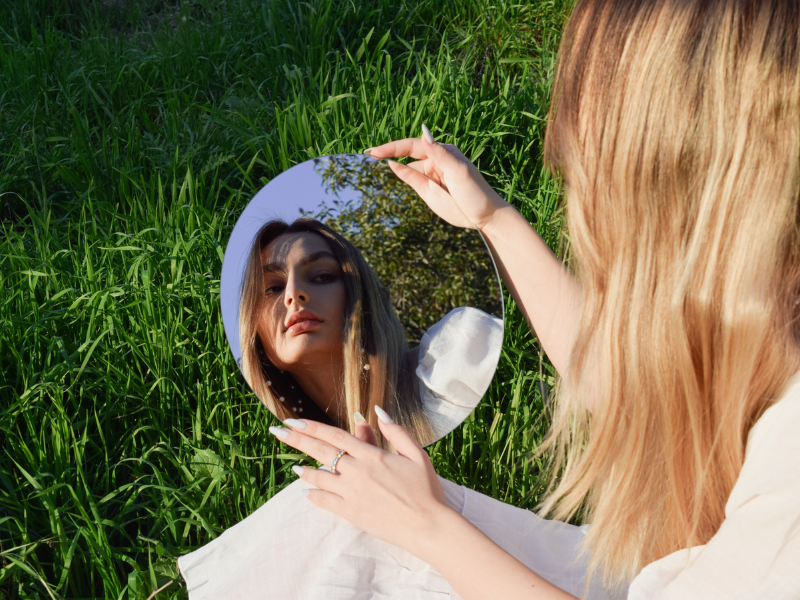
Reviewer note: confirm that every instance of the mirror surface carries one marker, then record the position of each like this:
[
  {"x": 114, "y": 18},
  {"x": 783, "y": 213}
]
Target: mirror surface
[{"x": 369, "y": 299}]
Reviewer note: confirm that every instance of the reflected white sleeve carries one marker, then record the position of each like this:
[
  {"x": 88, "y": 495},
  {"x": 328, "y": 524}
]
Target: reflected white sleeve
[
  {"x": 457, "y": 359},
  {"x": 290, "y": 549}
]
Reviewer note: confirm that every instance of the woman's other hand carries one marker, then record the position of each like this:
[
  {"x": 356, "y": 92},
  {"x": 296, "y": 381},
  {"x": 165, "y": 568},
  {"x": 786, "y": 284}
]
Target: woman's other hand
[
  {"x": 449, "y": 184},
  {"x": 395, "y": 497}
]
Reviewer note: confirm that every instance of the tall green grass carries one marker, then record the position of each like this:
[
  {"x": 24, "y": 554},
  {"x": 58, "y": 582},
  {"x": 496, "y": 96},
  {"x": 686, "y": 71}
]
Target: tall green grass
[{"x": 132, "y": 134}]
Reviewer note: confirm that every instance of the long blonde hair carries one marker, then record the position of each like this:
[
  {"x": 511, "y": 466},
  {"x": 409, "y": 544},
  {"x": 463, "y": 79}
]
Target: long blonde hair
[
  {"x": 373, "y": 337},
  {"x": 676, "y": 127}
]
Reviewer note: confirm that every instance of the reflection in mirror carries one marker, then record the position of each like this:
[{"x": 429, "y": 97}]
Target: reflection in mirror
[
  {"x": 429, "y": 266},
  {"x": 359, "y": 296}
]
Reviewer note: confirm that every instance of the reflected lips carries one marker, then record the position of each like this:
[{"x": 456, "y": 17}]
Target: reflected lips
[{"x": 302, "y": 321}]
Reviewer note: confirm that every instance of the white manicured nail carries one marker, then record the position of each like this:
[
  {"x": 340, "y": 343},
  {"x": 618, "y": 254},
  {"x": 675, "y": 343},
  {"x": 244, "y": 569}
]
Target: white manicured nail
[
  {"x": 368, "y": 151},
  {"x": 426, "y": 134},
  {"x": 295, "y": 423},
  {"x": 298, "y": 470},
  {"x": 359, "y": 418},
  {"x": 279, "y": 432},
  {"x": 306, "y": 492},
  {"x": 383, "y": 415}
]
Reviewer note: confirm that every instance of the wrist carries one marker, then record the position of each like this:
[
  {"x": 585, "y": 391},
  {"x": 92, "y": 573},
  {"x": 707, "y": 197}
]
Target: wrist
[
  {"x": 500, "y": 215},
  {"x": 443, "y": 523}
]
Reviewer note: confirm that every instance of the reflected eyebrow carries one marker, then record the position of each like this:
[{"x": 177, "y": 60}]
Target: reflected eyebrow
[{"x": 306, "y": 260}]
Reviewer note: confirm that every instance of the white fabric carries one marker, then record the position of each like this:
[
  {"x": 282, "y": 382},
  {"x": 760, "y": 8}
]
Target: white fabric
[
  {"x": 756, "y": 552},
  {"x": 457, "y": 359},
  {"x": 291, "y": 550}
]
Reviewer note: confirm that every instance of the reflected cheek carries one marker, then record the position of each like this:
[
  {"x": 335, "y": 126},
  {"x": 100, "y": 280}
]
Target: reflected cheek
[{"x": 269, "y": 331}]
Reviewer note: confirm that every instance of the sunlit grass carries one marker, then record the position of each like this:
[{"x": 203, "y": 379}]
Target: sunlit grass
[{"x": 132, "y": 134}]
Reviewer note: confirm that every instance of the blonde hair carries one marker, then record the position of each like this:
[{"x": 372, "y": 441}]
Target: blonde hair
[
  {"x": 373, "y": 337},
  {"x": 676, "y": 128}
]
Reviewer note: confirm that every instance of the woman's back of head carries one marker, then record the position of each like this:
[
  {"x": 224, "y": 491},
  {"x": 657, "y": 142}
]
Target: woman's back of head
[{"x": 676, "y": 127}]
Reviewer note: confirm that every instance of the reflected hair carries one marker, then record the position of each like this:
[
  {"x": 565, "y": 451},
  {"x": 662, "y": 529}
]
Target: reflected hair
[
  {"x": 675, "y": 125},
  {"x": 373, "y": 337}
]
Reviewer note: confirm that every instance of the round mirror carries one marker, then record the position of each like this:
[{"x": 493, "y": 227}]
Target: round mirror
[{"x": 341, "y": 290}]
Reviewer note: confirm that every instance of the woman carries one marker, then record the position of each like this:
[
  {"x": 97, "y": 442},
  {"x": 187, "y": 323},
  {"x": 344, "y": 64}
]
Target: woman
[
  {"x": 310, "y": 312},
  {"x": 676, "y": 127}
]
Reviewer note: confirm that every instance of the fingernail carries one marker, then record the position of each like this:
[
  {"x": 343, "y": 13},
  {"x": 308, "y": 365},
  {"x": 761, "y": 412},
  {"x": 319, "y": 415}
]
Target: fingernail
[
  {"x": 295, "y": 423},
  {"x": 298, "y": 470},
  {"x": 368, "y": 151},
  {"x": 279, "y": 432},
  {"x": 306, "y": 492},
  {"x": 359, "y": 418},
  {"x": 426, "y": 134},
  {"x": 383, "y": 415}
]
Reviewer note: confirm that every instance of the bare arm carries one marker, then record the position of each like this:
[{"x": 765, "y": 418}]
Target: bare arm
[
  {"x": 478, "y": 568},
  {"x": 547, "y": 294}
]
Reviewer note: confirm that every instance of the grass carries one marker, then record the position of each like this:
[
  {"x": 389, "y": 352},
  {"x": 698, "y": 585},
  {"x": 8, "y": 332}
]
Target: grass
[{"x": 132, "y": 134}]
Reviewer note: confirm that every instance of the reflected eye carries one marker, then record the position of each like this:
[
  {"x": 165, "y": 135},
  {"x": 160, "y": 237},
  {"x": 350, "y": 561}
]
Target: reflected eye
[{"x": 324, "y": 278}]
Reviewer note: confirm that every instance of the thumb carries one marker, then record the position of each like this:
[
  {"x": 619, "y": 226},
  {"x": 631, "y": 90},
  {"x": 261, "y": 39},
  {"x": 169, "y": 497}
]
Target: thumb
[
  {"x": 399, "y": 437},
  {"x": 440, "y": 154}
]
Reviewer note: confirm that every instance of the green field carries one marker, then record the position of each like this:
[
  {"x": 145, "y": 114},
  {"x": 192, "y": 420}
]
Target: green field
[{"x": 132, "y": 134}]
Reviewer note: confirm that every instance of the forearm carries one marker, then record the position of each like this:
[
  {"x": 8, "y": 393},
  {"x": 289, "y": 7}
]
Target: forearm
[
  {"x": 476, "y": 567},
  {"x": 548, "y": 295}
]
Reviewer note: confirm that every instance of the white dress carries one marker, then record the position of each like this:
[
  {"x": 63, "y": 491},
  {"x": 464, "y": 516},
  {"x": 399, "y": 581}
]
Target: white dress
[{"x": 290, "y": 550}]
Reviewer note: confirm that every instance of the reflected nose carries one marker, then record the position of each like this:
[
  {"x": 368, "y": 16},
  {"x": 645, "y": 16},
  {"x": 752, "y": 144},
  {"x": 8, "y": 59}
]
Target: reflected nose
[{"x": 295, "y": 291}]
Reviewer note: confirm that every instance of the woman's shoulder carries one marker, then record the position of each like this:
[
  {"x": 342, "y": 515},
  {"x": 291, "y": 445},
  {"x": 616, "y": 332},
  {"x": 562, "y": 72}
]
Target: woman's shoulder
[
  {"x": 783, "y": 415},
  {"x": 756, "y": 551},
  {"x": 772, "y": 454}
]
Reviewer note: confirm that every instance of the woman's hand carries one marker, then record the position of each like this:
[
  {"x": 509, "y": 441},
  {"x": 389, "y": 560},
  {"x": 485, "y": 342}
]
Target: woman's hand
[
  {"x": 398, "y": 498},
  {"x": 449, "y": 184},
  {"x": 549, "y": 296},
  {"x": 395, "y": 497}
]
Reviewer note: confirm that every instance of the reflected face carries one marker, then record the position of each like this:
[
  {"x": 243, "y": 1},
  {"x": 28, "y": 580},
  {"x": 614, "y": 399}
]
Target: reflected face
[{"x": 302, "y": 320}]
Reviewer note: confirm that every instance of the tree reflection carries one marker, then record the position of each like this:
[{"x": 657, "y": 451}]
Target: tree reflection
[{"x": 428, "y": 266}]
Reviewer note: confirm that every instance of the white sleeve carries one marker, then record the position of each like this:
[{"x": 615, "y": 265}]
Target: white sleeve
[
  {"x": 290, "y": 549},
  {"x": 457, "y": 359},
  {"x": 756, "y": 552}
]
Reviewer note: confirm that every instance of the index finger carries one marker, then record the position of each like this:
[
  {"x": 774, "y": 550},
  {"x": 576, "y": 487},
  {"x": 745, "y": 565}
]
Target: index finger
[
  {"x": 412, "y": 147},
  {"x": 338, "y": 438}
]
